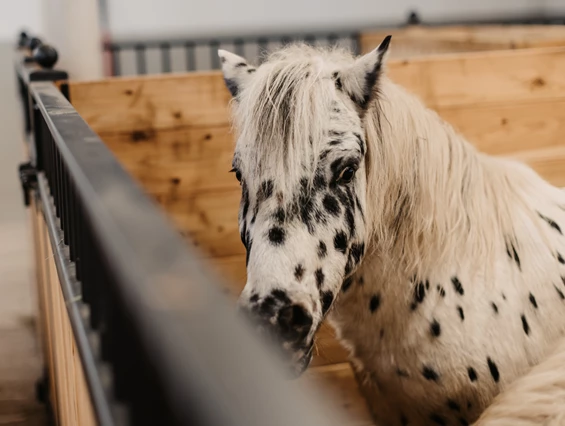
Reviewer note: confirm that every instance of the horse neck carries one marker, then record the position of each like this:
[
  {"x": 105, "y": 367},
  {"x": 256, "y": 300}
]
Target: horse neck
[{"x": 429, "y": 190}]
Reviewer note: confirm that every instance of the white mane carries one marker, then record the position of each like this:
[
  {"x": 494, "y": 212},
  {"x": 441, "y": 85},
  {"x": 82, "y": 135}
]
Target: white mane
[{"x": 432, "y": 192}]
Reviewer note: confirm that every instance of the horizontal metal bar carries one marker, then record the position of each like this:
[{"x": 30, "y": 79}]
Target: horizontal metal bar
[
  {"x": 212, "y": 369},
  {"x": 73, "y": 302}
]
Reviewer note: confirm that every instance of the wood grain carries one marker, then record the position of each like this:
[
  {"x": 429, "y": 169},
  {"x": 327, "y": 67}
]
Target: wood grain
[
  {"x": 499, "y": 77},
  {"x": 177, "y": 163},
  {"x": 510, "y": 127},
  {"x": 147, "y": 104},
  {"x": 69, "y": 393},
  {"x": 418, "y": 40}
]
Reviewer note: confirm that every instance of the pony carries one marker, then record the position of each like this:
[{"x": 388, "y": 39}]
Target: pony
[{"x": 441, "y": 268}]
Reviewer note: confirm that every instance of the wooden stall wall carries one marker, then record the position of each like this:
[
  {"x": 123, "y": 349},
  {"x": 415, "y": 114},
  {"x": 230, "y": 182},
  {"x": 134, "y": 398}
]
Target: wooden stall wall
[
  {"x": 423, "y": 40},
  {"x": 68, "y": 392},
  {"x": 172, "y": 133}
]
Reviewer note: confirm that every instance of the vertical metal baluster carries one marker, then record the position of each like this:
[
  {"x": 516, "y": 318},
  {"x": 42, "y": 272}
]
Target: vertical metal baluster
[
  {"x": 72, "y": 219},
  {"x": 60, "y": 189},
  {"x": 65, "y": 200},
  {"x": 116, "y": 57},
  {"x": 56, "y": 180},
  {"x": 140, "y": 59},
  {"x": 166, "y": 57},
  {"x": 190, "y": 57},
  {"x": 310, "y": 39},
  {"x": 214, "y": 59},
  {"x": 85, "y": 258},
  {"x": 46, "y": 150},
  {"x": 239, "y": 47}
]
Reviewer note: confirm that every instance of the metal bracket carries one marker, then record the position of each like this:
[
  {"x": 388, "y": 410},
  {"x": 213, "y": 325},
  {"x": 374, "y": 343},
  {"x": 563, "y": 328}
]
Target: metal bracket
[{"x": 28, "y": 179}]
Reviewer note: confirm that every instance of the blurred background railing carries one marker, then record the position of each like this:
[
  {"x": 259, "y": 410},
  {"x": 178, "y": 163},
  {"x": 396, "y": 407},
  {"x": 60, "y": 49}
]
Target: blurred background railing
[{"x": 166, "y": 55}]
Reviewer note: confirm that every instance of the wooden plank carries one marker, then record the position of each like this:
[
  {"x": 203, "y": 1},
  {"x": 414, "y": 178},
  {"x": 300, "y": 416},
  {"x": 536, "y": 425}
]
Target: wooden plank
[
  {"x": 466, "y": 38},
  {"x": 149, "y": 103},
  {"x": 209, "y": 221},
  {"x": 70, "y": 397},
  {"x": 511, "y": 127},
  {"x": 483, "y": 77},
  {"x": 340, "y": 382},
  {"x": 177, "y": 163}
]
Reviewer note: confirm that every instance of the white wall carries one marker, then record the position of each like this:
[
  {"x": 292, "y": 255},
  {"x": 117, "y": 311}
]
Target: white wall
[
  {"x": 16, "y": 15},
  {"x": 73, "y": 27},
  {"x": 555, "y": 6},
  {"x": 149, "y": 18}
]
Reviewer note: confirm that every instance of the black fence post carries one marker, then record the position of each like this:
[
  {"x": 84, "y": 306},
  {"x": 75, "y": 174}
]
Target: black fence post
[{"x": 35, "y": 63}]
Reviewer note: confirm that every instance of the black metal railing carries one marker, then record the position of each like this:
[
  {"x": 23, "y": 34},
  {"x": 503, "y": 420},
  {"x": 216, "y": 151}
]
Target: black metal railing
[
  {"x": 138, "y": 57},
  {"x": 200, "y": 54},
  {"x": 159, "y": 343}
]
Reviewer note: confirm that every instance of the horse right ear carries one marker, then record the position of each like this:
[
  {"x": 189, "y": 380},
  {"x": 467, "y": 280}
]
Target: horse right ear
[
  {"x": 237, "y": 72},
  {"x": 360, "y": 79}
]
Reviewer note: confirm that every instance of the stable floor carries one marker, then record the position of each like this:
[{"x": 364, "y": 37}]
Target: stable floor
[{"x": 20, "y": 354}]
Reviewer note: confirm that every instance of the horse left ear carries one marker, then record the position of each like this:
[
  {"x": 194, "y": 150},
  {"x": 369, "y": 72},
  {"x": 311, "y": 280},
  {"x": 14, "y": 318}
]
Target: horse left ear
[
  {"x": 237, "y": 72},
  {"x": 360, "y": 79}
]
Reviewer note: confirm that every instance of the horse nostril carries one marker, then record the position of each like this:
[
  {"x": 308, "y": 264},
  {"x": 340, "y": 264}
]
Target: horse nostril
[{"x": 294, "y": 322}]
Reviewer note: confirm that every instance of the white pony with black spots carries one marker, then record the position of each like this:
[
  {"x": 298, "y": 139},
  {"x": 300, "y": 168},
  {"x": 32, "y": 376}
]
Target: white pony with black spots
[{"x": 440, "y": 268}]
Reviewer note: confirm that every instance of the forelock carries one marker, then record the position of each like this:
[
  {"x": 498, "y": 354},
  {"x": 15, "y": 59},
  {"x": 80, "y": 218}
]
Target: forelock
[{"x": 282, "y": 115}]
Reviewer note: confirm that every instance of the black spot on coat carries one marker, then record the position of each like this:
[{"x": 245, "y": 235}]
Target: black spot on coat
[
  {"x": 551, "y": 223},
  {"x": 435, "y": 328},
  {"x": 340, "y": 241},
  {"x": 331, "y": 205},
  {"x": 430, "y": 374},
  {"x": 322, "y": 250},
  {"x": 375, "y": 303},
  {"x": 319, "y": 277},
  {"x": 494, "y": 307},
  {"x": 457, "y": 286},
  {"x": 453, "y": 405},
  {"x": 472, "y": 374},
  {"x": 327, "y": 299},
  {"x": 277, "y": 235},
  {"x": 533, "y": 301},
  {"x": 299, "y": 272},
  {"x": 281, "y": 296},
  {"x": 525, "y": 325},
  {"x": 441, "y": 291},
  {"x": 559, "y": 292},
  {"x": 493, "y": 370},
  {"x": 461, "y": 313},
  {"x": 437, "y": 419}
]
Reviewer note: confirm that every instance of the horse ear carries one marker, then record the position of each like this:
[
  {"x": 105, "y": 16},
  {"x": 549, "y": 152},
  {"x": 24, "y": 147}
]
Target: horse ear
[
  {"x": 237, "y": 72},
  {"x": 360, "y": 79}
]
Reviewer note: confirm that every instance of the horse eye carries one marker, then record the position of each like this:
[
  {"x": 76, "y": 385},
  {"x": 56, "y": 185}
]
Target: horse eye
[
  {"x": 346, "y": 175},
  {"x": 237, "y": 174}
]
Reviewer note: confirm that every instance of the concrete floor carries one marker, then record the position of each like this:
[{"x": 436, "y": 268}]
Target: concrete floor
[{"x": 20, "y": 361}]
